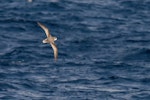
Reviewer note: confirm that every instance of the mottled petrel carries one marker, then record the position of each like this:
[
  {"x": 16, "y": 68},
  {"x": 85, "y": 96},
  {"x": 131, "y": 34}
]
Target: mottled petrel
[{"x": 50, "y": 39}]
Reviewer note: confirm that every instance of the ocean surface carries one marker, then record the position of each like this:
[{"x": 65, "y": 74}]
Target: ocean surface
[{"x": 103, "y": 50}]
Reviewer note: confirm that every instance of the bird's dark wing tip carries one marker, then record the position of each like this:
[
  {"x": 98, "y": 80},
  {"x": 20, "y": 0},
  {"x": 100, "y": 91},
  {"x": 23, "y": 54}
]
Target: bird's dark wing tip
[{"x": 38, "y": 23}]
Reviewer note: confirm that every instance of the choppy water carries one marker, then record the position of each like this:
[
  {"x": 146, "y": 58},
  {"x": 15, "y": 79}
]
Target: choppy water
[{"x": 104, "y": 50}]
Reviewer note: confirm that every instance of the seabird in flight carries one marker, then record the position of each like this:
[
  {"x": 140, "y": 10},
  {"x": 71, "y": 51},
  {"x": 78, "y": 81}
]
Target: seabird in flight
[{"x": 50, "y": 39}]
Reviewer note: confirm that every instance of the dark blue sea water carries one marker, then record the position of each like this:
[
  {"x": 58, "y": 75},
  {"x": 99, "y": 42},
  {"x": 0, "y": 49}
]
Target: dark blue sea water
[{"x": 103, "y": 45}]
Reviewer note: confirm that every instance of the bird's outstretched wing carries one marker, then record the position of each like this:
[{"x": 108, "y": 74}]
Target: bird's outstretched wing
[
  {"x": 55, "y": 50},
  {"x": 46, "y": 30}
]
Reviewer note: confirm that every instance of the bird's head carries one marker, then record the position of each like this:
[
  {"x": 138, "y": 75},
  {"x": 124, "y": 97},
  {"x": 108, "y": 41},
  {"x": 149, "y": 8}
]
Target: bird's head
[{"x": 55, "y": 38}]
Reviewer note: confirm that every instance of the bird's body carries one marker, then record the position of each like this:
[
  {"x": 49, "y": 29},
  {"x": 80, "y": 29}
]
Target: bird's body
[{"x": 50, "y": 39}]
